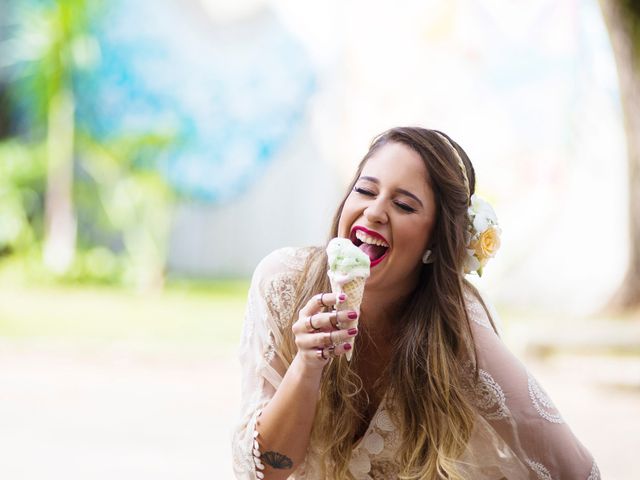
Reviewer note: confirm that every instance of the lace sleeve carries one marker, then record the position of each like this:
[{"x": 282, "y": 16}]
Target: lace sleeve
[
  {"x": 519, "y": 412},
  {"x": 268, "y": 310}
]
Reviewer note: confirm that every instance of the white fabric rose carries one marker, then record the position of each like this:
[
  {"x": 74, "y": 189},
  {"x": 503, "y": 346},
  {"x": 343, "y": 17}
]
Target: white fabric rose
[{"x": 482, "y": 214}]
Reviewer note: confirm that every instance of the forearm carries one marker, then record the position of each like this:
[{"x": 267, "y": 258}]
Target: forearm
[{"x": 285, "y": 424}]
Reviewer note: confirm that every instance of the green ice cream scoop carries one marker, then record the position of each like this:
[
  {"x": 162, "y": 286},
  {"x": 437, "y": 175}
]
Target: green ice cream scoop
[{"x": 346, "y": 261}]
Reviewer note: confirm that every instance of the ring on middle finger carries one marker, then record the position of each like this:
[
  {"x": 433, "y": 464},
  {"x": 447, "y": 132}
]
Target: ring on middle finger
[
  {"x": 321, "y": 300},
  {"x": 328, "y": 340},
  {"x": 312, "y": 327},
  {"x": 334, "y": 320}
]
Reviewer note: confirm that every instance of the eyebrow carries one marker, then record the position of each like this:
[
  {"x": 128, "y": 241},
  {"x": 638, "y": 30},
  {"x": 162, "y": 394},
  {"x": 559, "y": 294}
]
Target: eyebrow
[{"x": 400, "y": 190}]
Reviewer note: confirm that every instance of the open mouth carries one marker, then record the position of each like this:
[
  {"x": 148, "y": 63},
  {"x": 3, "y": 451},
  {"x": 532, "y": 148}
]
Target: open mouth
[{"x": 371, "y": 243}]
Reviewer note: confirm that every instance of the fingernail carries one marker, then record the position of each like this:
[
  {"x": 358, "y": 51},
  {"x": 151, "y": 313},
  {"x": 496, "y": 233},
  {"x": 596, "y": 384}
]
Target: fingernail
[
  {"x": 347, "y": 346},
  {"x": 352, "y": 331},
  {"x": 352, "y": 315},
  {"x": 342, "y": 297}
]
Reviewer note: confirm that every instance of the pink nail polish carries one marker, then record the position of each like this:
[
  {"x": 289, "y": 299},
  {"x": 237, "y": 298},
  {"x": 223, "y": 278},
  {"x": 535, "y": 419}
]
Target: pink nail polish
[
  {"x": 342, "y": 297},
  {"x": 347, "y": 346},
  {"x": 352, "y": 315},
  {"x": 352, "y": 331}
]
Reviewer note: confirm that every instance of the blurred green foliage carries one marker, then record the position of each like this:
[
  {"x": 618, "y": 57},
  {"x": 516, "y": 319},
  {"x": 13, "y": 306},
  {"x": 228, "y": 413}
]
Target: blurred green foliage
[
  {"x": 122, "y": 211},
  {"x": 194, "y": 316},
  {"x": 22, "y": 184}
]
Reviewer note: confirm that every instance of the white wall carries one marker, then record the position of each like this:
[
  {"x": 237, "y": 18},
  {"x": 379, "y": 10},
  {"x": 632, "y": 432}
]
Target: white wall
[{"x": 291, "y": 205}]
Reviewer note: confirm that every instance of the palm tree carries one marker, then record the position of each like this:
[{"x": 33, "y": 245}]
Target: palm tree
[
  {"x": 623, "y": 22},
  {"x": 52, "y": 37}
]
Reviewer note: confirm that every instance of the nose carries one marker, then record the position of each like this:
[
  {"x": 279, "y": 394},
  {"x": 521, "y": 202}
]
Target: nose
[{"x": 376, "y": 211}]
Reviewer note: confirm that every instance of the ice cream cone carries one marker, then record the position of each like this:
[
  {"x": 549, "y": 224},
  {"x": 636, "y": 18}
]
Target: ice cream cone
[{"x": 348, "y": 272}]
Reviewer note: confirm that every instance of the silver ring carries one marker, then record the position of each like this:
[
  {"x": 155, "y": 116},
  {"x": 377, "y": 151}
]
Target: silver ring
[
  {"x": 332, "y": 351},
  {"x": 321, "y": 354},
  {"x": 322, "y": 301},
  {"x": 333, "y": 345},
  {"x": 311, "y": 325},
  {"x": 335, "y": 325}
]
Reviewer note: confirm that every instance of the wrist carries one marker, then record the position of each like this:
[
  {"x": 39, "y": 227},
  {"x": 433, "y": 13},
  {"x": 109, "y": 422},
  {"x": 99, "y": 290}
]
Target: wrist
[{"x": 306, "y": 372}]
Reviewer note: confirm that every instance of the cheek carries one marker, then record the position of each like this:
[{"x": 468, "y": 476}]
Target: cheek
[
  {"x": 346, "y": 219},
  {"x": 343, "y": 225},
  {"x": 416, "y": 237},
  {"x": 342, "y": 229}
]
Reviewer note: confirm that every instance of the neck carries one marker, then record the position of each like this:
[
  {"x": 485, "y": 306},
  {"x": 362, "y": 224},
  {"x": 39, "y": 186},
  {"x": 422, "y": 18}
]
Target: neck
[{"x": 380, "y": 312}]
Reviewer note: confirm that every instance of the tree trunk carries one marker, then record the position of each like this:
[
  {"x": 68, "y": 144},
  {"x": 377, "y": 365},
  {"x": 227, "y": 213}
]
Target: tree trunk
[
  {"x": 60, "y": 223},
  {"x": 622, "y": 18}
]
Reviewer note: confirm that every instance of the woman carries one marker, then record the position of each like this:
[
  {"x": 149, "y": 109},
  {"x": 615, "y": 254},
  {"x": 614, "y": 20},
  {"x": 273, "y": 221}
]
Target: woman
[{"x": 431, "y": 391}]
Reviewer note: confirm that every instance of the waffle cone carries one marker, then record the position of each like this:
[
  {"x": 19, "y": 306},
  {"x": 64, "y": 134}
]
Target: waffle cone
[{"x": 354, "y": 291}]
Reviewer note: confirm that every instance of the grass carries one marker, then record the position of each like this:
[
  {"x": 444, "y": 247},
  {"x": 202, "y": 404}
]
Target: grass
[{"x": 190, "y": 315}]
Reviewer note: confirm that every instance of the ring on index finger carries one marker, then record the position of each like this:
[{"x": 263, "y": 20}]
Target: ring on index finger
[{"x": 310, "y": 325}]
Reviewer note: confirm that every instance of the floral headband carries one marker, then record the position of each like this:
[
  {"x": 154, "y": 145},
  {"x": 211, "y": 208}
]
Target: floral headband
[{"x": 483, "y": 233}]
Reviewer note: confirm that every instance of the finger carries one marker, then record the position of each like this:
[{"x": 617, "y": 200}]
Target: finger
[
  {"x": 336, "y": 320},
  {"x": 311, "y": 324},
  {"x": 322, "y": 300},
  {"x": 326, "y": 321},
  {"x": 313, "y": 341},
  {"x": 340, "y": 349},
  {"x": 323, "y": 355}
]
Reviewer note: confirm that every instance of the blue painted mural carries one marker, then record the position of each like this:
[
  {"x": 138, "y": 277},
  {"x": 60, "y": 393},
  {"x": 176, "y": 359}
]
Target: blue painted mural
[{"x": 230, "y": 95}]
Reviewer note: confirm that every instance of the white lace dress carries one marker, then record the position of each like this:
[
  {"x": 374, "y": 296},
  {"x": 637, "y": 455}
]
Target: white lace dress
[{"x": 518, "y": 434}]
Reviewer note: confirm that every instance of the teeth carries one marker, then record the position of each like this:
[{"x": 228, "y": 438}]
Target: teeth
[{"x": 363, "y": 237}]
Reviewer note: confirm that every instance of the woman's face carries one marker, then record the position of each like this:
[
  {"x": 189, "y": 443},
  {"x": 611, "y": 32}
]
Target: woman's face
[{"x": 390, "y": 215}]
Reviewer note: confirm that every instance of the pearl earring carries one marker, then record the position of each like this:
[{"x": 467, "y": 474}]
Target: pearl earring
[{"x": 427, "y": 258}]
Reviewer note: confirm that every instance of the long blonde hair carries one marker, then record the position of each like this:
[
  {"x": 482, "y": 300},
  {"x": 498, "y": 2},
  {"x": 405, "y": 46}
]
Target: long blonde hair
[{"x": 433, "y": 340}]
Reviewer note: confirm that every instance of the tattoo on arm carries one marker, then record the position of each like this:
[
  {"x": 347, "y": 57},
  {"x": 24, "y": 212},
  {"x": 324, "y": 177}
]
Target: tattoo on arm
[{"x": 276, "y": 460}]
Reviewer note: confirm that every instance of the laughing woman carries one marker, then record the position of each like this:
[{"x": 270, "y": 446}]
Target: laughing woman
[{"x": 431, "y": 391}]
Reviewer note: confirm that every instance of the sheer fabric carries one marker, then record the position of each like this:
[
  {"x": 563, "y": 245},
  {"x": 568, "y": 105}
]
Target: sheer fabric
[{"x": 518, "y": 434}]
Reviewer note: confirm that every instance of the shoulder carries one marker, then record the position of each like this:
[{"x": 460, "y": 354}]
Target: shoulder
[
  {"x": 276, "y": 281},
  {"x": 287, "y": 261},
  {"x": 481, "y": 311}
]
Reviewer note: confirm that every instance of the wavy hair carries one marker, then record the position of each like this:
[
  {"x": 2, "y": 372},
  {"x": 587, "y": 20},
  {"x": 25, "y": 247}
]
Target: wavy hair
[{"x": 425, "y": 379}]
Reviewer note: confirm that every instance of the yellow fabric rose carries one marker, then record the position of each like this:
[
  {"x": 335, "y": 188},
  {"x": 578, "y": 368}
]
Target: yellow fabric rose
[{"x": 487, "y": 244}]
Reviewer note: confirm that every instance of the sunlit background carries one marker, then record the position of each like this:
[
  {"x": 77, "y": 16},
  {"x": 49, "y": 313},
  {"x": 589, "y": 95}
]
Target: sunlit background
[{"x": 152, "y": 152}]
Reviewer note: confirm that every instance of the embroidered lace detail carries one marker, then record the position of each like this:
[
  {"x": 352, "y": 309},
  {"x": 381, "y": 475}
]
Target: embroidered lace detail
[
  {"x": 243, "y": 445},
  {"x": 542, "y": 402},
  {"x": 541, "y": 471},
  {"x": 270, "y": 349},
  {"x": 384, "y": 422},
  {"x": 294, "y": 258},
  {"x": 594, "y": 474},
  {"x": 360, "y": 464},
  {"x": 489, "y": 397},
  {"x": 257, "y": 461},
  {"x": 476, "y": 311},
  {"x": 384, "y": 470},
  {"x": 279, "y": 296},
  {"x": 382, "y": 436},
  {"x": 279, "y": 292}
]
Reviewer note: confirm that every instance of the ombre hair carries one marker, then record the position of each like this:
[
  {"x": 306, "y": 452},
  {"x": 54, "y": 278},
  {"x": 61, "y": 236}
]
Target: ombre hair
[{"x": 433, "y": 348}]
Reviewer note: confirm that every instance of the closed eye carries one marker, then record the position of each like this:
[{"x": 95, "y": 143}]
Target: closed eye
[
  {"x": 405, "y": 207},
  {"x": 363, "y": 191}
]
